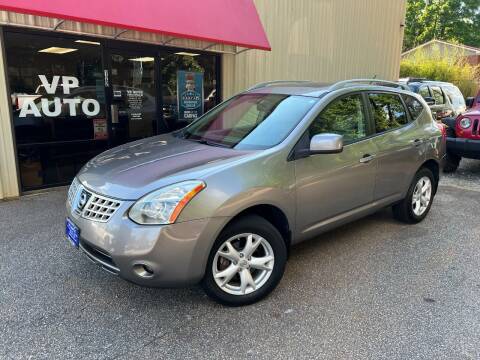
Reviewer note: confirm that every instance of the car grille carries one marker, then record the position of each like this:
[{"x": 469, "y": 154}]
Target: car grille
[
  {"x": 100, "y": 208},
  {"x": 90, "y": 205},
  {"x": 475, "y": 129},
  {"x": 72, "y": 191}
]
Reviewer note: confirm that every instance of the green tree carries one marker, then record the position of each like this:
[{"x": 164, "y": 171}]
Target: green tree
[
  {"x": 443, "y": 66},
  {"x": 449, "y": 20}
]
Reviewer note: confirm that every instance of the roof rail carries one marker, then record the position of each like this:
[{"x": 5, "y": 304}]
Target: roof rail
[
  {"x": 413, "y": 79},
  {"x": 276, "y": 82},
  {"x": 378, "y": 82}
]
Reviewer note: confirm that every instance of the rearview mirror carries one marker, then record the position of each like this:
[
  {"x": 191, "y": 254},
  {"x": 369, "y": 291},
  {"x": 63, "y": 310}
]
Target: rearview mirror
[
  {"x": 469, "y": 101},
  {"x": 326, "y": 144},
  {"x": 429, "y": 100}
]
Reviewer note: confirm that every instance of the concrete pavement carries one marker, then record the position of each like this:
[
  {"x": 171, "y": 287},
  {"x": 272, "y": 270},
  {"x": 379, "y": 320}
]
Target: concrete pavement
[{"x": 373, "y": 289}]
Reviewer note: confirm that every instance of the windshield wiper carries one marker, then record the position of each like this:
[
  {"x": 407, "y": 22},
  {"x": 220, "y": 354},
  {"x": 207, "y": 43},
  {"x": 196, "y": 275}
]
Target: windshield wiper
[{"x": 210, "y": 143}]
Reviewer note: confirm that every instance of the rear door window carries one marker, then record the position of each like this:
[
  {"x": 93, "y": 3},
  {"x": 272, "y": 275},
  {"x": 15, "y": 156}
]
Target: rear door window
[
  {"x": 424, "y": 92},
  {"x": 437, "y": 95},
  {"x": 388, "y": 111},
  {"x": 414, "y": 106}
]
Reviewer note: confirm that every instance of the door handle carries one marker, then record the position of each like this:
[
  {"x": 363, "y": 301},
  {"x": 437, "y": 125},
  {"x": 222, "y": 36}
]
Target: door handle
[
  {"x": 367, "y": 158},
  {"x": 417, "y": 142}
]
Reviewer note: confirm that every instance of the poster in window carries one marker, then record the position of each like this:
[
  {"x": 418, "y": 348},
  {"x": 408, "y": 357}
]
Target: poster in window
[
  {"x": 100, "y": 131},
  {"x": 189, "y": 95}
]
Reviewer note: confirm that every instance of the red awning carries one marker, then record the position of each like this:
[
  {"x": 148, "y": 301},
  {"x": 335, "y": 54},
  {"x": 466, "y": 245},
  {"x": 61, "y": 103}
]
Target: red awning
[{"x": 232, "y": 22}]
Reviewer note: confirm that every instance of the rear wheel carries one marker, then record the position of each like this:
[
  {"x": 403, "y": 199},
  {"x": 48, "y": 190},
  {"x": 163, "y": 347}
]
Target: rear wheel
[
  {"x": 416, "y": 205},
  {"x": 451, "y": 163},
  {"x": 246, "y": 262}
]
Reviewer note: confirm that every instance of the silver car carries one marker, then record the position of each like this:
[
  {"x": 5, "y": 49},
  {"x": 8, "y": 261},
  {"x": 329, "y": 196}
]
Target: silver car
[{"x": 221, "y": 201}]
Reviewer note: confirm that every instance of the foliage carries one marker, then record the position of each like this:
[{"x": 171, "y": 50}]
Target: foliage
[
  {"x": 344, "y": 117},
  {"x": 450, "y": 20},
  {"x": 442, "y": 66},
  {"x": 388, "y": 112}
]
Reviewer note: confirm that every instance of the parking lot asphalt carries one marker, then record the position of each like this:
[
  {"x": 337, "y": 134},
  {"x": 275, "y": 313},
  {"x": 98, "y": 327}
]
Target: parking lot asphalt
[{"x": 372, "y": 289}]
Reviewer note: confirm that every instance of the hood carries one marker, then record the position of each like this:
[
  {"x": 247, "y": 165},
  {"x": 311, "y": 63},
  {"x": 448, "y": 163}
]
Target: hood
[
  {"x": 474, "y": 110},
  {"x": 131, "y": 170}
]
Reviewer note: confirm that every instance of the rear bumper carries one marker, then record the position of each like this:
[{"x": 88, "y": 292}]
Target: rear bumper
[{"x": 467, "y": 148}]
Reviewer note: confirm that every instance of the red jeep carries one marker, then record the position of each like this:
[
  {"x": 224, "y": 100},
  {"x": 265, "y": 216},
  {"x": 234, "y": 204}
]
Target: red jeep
[{"x": 463, "y": 135}]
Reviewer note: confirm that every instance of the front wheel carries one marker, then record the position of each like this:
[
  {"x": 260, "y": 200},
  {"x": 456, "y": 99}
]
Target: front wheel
[
  {"x": 416, "y": 205},
  {"x": 246, "y": 262}
]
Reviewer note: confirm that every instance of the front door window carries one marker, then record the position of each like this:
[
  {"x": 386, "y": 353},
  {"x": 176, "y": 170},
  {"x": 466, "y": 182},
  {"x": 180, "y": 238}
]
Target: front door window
[{"x": 344, "y": 116}]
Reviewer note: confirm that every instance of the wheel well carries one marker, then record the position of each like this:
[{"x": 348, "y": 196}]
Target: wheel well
[
  {"x": 433, "y": 166},
  {"x": 273, "y": 215}
]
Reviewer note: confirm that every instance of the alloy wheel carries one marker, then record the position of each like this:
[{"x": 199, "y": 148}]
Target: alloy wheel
[
  {"x": 422, "y": 195},
  {"x": 243, "y": 264}
]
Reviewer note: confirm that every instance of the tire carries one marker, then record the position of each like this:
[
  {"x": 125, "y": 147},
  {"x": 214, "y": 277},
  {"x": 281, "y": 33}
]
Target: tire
[
  {"x": 410, "y": 213},
  {"x": 451, "y": 163},
  {"x": 265, "y": 274}
]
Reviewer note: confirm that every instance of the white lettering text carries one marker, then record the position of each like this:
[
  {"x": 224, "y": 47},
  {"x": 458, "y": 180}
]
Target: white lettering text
[
  {"x": 29, "y": 108},
  {"x": 72, "y": 103},
  {"x": 69, "y": 82},
  {"x": 57, "y": 107},
  {"x": 96, "y": 107}
]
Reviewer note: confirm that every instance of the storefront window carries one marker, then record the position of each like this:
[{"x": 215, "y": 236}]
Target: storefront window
[
  {"x": 65, "y": 111},
  {"x": 58, "y": 105},
  {"x": 181, "y": 72}
]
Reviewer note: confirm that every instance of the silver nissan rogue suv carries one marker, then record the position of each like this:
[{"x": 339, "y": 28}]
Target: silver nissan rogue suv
[{"x": 221, "y": 201}]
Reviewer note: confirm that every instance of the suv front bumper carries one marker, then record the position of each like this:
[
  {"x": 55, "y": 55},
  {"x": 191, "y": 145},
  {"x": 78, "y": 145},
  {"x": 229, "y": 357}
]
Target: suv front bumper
[
  {"x": 177, "y": 253},
  {"x": 467, "y": 148}
]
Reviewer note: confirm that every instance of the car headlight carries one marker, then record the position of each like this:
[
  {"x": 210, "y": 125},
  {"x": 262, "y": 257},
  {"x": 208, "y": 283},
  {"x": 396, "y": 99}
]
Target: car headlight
[
  {"x": 163, "y": 206},
  {"x": 465, "y": 123}
]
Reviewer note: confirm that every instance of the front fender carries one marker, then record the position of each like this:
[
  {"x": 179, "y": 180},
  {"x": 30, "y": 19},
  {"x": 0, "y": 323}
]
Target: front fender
[
  {"x": 266, "y": 180},
  {"x": 283, "y": 199}
]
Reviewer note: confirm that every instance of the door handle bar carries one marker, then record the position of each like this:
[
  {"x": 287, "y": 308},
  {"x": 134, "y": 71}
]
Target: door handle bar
[{"x": 367, "y": 158}]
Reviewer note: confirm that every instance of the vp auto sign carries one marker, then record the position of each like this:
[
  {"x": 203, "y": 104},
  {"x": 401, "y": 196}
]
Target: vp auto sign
[{"x": 52, "y": 108}]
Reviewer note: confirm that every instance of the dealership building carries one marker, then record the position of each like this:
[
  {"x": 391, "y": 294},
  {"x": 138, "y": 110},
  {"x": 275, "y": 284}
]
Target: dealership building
[{"x": 77, "y": 78}]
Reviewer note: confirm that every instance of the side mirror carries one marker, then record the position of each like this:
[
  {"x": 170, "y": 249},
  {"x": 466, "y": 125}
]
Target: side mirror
[
  {"x": 429, "y": 100},
  {"x": 469, "y": 101},
  {"x": 326, "y": 144}
]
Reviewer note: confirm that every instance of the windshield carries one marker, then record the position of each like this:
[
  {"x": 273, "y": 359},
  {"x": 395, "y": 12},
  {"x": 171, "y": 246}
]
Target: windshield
[{"x": 250, "y": 121}]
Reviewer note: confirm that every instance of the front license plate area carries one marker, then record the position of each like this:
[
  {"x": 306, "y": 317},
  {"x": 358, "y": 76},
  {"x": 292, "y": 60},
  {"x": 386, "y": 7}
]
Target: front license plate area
[{"x": 72, "y": 232}]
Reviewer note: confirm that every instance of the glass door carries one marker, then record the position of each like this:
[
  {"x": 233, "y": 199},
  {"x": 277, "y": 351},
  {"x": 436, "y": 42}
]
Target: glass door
[{"x": 133, "y": 98}]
